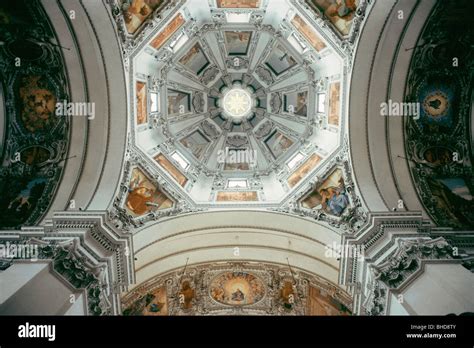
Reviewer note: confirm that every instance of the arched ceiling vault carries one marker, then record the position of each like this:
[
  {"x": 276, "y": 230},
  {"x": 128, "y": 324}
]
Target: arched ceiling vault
[
  {"x": 53, "y": 162},
  {"x": 410, "y": 163},
  {"x": 378, "y": 155},
  {"x": 34, "y": 139},
  {"x": 97, "y": 143},
  {"x": 214, "y": 236}
]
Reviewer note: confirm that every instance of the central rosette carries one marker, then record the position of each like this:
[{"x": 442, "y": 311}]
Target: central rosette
[{"x": 237, "y": 103}]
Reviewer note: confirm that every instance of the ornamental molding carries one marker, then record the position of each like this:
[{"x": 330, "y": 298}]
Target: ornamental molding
[
  {"x": 264, "y": 75},
  {"x": 237, "y": 63},
  {"x": 395, "y": 248},
  {"x": 407, "y": 260},
  {"x": 401, "y": 268},
  {"x": 87, "y": 251}
]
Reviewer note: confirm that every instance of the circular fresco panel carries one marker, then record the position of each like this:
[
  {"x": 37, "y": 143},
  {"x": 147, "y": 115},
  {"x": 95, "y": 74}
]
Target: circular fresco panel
[{"x": 237, "y": 289}]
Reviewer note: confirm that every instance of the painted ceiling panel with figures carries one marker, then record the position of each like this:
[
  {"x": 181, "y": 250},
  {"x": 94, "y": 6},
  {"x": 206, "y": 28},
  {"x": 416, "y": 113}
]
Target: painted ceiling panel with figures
[
  {"x": 35, "y": 137},
  {"x": 237, "y": 288}
]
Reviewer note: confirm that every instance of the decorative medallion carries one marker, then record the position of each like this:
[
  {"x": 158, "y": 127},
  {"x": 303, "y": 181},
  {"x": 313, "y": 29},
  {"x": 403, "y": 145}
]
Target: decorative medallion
[{"x": 237, "y": 289}]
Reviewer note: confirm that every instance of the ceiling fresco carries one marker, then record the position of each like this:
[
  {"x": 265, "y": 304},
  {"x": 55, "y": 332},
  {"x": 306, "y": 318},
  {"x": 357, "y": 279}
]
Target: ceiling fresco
[
  {"x": 36, "y": 138},
  {"x": 221, "y": 102},
  {"x": 135, "y": 12},
  {"x": 237, "y": 288},
  {"x": 439, "y": 143},
  {"x": 341, "y": 13}
]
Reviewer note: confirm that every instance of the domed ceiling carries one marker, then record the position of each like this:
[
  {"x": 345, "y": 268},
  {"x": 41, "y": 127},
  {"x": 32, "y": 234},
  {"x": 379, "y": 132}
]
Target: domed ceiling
[{"x": 236, "y": 105}]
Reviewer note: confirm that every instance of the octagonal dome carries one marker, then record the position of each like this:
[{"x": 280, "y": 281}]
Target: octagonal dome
[{"x": 237, "y": 108}]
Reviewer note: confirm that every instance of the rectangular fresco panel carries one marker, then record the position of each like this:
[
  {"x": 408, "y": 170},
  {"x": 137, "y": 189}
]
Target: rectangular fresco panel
[
  {"x": 330, "y": 196},
  {"x": 195, "y": 60},
  {"x": 236, "y": 166},
  {"x": 238, "y": 3},
  {"x": 196, "y": 143},
  {"x": 237, "y": 196},
  {"x": 171, "y": 169},
  {"x": 296, "y": 103},
  {"x": 280, "y": 60},
  {"x": 142, "y": 114},
  {"x": 278, "y": 143},
  {"x": 308, "y": 32},
  {"x": 334, "y": 103},
  {"x": 303, "y": 170},
  {"x": 241, "y": 160},
  {"x": 144, "y": 196},
  {"x": 237, "y": 42},
  {"x": 340, "y": 12},
  {"x": 178, "y": 102},
  {"x": 138, "y": 11},
  {"x": 320, "y": 303},
  {"x": 168, "y": 31}
]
